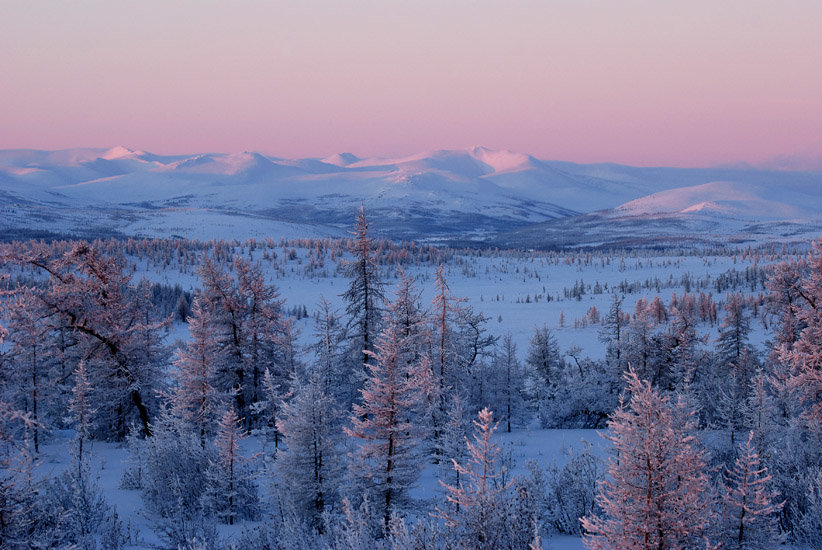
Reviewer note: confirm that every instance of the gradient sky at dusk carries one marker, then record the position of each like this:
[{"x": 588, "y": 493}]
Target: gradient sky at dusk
[{"x": 689, "y": 83}]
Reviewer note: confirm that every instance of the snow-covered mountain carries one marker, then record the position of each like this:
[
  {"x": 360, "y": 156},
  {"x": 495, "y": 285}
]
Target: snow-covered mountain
[{"x": 507, "y": 198}]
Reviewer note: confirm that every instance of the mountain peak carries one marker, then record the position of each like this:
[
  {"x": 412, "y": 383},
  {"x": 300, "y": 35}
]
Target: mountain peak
[
  {"x": 121, "y": 152},
  {"x": 502, "y": 160},
  {"x": 341, "y": 159}
]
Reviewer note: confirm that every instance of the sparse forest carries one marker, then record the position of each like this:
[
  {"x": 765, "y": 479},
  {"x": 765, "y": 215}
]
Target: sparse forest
[{"x": 360, "y": 393}]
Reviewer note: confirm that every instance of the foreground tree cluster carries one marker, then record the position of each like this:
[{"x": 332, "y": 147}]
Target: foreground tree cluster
[{"x": 713, "y": 442}]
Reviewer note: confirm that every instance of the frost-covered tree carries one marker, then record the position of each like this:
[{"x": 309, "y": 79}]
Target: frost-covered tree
[
  {"x": 269, "y": 408},
  {"x": 477, "y": 509},
  {"x": 572, "y": 490},
  {"x": 656, "y": 310},
  {"x": 508, "y": 385},
  {"x": 81, "y": 410},
  {"x": 91, "y": 296},
  {"x": 807, "y": 524},
  {"x": 356, "y": 530},
  {"x": 760, "y": 414},
  {"x": 31, "y": 379},
  {"x": 365, "y": 295},
  {"x": 657, "y": 493},
  {"x": 269, "y": 331},
  {"x": 784, "y": 301},
  {"x": 387, "y": 459},
  {"x": 250, "y": 328},
  {"x": 797, "y": 371},
  {"x": 750, "y": 506},
  {"x": 311, "y": 463},
  {"x": 806, "y": 355},
  {"x": 80, "y": 516},
  {"x": 194, "y": 397},
  {"x": 231, "y": 493},
  {"x": 735, "y": 367},
  {"x": 543, "y": 366},
  {"x": 409, "y": 316},
  {"x": 18, "y": 508},
  {"x": 329, "y": 339},
  {"x": 444, "y": 347},
  {"x": 584, "y": 394},
  {"x": 454, "y": 433},
  {"x": 612, "y": 334},
  {"x": 734, "y": 330},
  {"x": 640, "y": 344},
  {"x": 733, "y": 396},
  {"x": 170, "y": 468},
  {"x": 686, "y": 353}
]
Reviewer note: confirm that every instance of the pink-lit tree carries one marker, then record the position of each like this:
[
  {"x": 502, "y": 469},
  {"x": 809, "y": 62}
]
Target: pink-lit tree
[
  {"x": 657, "y": 493},
  {"x": 750, "y": 506},
  {"x": 479, "y": 501},
  {"x": 806, "y": 354},
  {"x": 388, "y": 458},
  {"x": 195, "y": 400},
  {"x": 91, "y": 296}
]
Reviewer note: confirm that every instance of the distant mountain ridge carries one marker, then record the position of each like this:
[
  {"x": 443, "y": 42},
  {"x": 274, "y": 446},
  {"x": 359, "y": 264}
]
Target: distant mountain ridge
[{"x": 478, "y": 195}]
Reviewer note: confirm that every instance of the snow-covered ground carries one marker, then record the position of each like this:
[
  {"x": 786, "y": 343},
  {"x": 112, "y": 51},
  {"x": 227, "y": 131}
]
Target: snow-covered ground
[
  {"x": 109, "y": 460},
  {"x": 511, "y": 289}
]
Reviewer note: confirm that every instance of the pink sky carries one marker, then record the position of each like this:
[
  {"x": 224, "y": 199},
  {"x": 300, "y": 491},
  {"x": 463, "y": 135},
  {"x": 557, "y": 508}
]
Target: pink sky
[{"x": 639, "y": 82}]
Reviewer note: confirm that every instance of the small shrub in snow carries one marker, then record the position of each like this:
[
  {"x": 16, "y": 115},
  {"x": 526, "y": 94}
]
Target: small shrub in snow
[
  {"x": 173, "y": 465},
  {"x": 572, "y": 490},
  {"x": 81, "y": 517}
]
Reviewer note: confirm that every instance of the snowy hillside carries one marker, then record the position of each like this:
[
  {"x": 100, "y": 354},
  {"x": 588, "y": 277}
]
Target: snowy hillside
[{"x": 451, "y": 196}]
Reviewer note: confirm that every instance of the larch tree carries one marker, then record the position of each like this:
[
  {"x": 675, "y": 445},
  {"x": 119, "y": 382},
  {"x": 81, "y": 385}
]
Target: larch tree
[
  {"x": 270, "y": 406},
  {"x": 613, "y": 333},
  {"x": 508, "y": 383},
  {"x": 81, "y": 410},
  {"x": 640, "y": 341},
  {"x": 269, "y": 331},
  {"x": 17, "y": 488},
  {"x": 444, "y": 348},
  {"x": 31, "y": 356},
  {"x": 388, "y": 457},
  {"x": 477, "y": 511},
  {"x": 806, "y": 354},
  {"x": 784, "y": 301},
  {"x": 760, "y": 414},
  {"x": 194, "y": 395},
  {"x": 221, "y": 297},
  {"x": 736, "y": 365},
  {"x": 231, "y": 492},
  {"x": 251, "y": 328},
  {"x": 750, "y": 507},
  {"x": 734, "y": 330},
  {"x": 329, "y": 337},
  {"x": 657, "y": 494},
  {"x": 544, "y": 367},
  {"x": 415, "y": 335},
  {"x": 685, "y": 353},
  {"x": 365, "y": 295},
  {"x": 454, "y": 434},
  {"x": 311, "y": 463},
  {"x": 91, "y": 296},
  {"x": 799, "y": 387}
]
